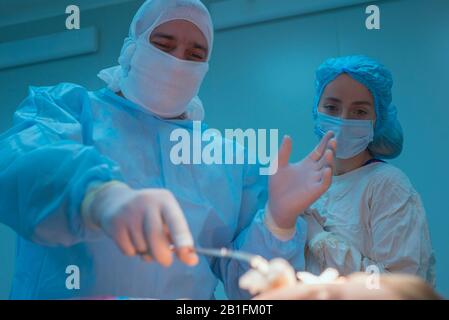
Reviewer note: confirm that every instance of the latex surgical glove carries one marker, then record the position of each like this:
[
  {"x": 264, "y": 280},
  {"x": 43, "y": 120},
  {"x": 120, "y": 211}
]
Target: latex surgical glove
[
  {"x": 277, "y": 274},
  {"x": 144, "y": 222},
  {"x": 294, "y": 187}
]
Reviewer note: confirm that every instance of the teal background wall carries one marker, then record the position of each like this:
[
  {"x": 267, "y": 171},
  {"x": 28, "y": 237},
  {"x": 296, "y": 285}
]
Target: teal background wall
[{"x": 262, "y": 76}]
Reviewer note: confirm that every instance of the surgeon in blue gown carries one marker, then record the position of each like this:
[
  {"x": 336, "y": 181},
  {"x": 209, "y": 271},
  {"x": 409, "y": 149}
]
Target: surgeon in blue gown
[{"x": 88, "y": 185}]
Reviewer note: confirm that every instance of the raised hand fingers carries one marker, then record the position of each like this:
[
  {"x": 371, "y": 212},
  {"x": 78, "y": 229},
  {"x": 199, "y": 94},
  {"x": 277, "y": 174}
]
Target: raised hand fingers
[
  {"x": 332, "y": 145},
  {"x": 326, "y": 180},
  {"x": 327, "y": 160},
  {"x": 284, "y": 152},
  {"x": 318, "y": 152}
]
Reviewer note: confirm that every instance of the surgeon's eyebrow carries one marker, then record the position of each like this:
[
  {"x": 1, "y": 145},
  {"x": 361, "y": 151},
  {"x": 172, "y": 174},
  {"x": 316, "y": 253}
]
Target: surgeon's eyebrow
[{"x": 163, "y": 35}]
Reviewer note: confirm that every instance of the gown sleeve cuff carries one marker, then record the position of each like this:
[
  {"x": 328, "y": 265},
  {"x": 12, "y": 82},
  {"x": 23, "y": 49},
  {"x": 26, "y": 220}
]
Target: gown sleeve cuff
[
  {"x": 93, "y": 190},
  {"x": 280, "y": 233},
  {"x": 257, "y": 239}
]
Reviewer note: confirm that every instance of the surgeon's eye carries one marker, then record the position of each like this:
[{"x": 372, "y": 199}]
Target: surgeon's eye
[
  {"x": 162, "y": 46},
  {"x": 197, "y": 55}
]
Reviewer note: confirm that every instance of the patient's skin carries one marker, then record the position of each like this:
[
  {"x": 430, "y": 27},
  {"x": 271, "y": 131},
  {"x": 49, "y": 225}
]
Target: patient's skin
[{"x": 354, "y": 287}]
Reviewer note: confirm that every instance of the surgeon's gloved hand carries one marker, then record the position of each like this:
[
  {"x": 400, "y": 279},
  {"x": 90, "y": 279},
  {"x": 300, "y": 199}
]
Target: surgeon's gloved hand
[
  {"x": 144, "y": 222},
  {"x": 294, "y": 187}
]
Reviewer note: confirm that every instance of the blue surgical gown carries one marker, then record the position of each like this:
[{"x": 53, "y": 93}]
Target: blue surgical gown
[{"x": 65, "y": 138}]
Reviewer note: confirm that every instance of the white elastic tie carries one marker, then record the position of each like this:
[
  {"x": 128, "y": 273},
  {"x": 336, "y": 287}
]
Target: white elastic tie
[{"x": 112, "y": 77}]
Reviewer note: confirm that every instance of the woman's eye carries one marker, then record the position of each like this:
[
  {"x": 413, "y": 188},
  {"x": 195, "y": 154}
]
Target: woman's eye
[
  {"x": 330, "y": 108},
  {"x": 362, "y": 112}
]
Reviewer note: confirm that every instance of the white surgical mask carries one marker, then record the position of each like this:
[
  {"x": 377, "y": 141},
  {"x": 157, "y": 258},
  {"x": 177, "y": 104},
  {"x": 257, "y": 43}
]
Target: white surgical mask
[
  {"x": 160, "y": 82},
  {"x": 353, "y": 136}
]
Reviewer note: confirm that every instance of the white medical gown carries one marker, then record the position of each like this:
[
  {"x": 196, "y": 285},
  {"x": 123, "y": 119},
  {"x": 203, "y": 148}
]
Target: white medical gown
[
  {"x": 64, "y": 138},
  {"x": 372, "y": 216}
]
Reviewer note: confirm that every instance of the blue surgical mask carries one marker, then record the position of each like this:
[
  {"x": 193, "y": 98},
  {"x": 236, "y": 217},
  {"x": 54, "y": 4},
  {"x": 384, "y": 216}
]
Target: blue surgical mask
[{"x": 353, "y": 136}]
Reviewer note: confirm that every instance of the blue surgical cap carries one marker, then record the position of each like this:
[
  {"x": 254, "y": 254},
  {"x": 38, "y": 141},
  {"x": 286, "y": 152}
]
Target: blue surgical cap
[{"x": 388, "y": 136}]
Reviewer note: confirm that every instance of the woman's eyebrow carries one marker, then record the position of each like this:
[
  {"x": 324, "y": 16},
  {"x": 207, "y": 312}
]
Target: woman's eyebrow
[
  {"x": 362, "y": 102},
  {"x": 332, "y": 99}
]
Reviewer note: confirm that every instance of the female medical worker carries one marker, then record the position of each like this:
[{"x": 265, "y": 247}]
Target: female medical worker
[
  {"x": 371, "y": 215},
  {"x": 86, "y": 178}
]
